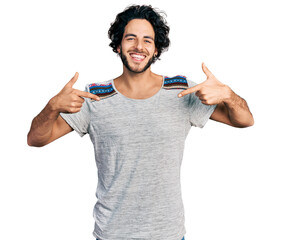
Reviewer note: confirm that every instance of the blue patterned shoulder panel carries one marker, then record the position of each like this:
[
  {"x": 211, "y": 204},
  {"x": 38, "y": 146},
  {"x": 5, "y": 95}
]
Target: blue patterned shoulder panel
[
  {"x": 177, "y": 82},
  {"x": 103, "y": 90}
]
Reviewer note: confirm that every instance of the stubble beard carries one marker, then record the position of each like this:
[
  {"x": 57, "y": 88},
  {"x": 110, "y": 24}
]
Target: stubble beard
[{"x": 126, "y": 64}]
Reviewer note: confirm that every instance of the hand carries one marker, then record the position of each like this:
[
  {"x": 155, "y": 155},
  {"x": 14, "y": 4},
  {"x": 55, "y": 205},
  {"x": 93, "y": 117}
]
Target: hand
[
  {"x": 211, "y": 91},
  {"x": 69, "y": 100}
]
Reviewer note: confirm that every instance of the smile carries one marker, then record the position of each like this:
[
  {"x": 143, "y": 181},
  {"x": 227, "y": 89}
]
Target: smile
[{"x": 137, "y": 57}]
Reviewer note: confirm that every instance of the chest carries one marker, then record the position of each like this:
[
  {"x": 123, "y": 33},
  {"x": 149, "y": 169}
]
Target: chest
[{"x": 159, "y": 122}]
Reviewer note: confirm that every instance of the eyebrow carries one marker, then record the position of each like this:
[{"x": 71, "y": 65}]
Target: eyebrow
[{"x": 134, "y": 35}]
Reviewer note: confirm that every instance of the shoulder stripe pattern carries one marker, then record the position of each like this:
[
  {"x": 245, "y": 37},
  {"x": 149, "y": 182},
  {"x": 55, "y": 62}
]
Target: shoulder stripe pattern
[
  {"x": 177, "y": 82},
  {"x": 103, "y": 90}
]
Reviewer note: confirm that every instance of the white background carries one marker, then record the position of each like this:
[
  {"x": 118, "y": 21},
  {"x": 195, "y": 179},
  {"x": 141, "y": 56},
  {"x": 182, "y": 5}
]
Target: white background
[{"x": 230, "y": 177}]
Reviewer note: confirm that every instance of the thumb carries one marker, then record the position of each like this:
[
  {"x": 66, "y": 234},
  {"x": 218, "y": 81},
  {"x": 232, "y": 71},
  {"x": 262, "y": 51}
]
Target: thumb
[
  {"x": 72, "y": 80},
  {"x": 206, "y": 70}
]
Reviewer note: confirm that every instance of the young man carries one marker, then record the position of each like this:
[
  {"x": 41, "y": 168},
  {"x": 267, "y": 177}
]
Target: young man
[{"x": 138, "y": 124}]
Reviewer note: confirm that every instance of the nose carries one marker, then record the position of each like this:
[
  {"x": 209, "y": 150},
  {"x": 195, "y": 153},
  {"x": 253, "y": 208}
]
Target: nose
[{"x": 139, "y": 45}]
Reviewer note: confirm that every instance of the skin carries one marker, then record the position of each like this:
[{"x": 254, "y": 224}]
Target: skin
[
  {"x": 138, "y": 38},
  {"x": 139, "y": 82},
  {"x": 48, "y": 125},
  {"x": 231, "y": 109}
]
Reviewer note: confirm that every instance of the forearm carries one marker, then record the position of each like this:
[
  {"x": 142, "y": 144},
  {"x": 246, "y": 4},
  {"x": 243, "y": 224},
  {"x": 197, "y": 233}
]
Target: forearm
[
  {"x": 238, "y": 110},
  {"x": 42, "y": 125}
]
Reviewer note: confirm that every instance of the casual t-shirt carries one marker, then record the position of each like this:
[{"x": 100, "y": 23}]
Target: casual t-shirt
[{"x": 138, "y": 146}]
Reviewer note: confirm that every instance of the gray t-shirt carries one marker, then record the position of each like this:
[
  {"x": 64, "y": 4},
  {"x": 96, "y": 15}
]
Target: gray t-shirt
[{"x": 139, "y": 145}]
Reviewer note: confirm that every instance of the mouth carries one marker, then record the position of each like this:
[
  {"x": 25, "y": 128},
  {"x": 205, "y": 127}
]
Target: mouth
[{"x": 137, "y": 57}]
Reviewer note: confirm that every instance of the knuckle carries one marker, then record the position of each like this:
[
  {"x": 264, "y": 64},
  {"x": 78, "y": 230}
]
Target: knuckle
[
  {"x": 203, "y": 89},
  {"x": 74, "y": 92},
  {"x": 89, "y": 95},
  {"x": 203, "y": 98},
  {"x": 72, "y": 104},
  {"x": 207, "y": 101},
  {"x": 73, "y": 97},
  {"x": 74, "y": 110},
  {"x": 71, "y": 109}
]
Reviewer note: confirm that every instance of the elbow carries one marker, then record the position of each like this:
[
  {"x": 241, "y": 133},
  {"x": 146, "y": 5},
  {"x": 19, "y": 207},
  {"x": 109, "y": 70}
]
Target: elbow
[
  {"x": 250, "y": 122},
  {"x": 245, "y": 125},
  {"x": 32, "y": 143},
  {"x": 29, "y": 141}
]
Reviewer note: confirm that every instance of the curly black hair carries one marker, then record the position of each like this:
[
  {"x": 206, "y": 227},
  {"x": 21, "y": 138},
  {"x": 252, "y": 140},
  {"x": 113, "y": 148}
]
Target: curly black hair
[{"x": 161, "y": 29}]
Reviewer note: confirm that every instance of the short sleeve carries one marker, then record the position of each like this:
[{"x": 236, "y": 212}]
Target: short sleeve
[
  {"x": 199, "y": 113},
  {"x": 79, "y": 121}
]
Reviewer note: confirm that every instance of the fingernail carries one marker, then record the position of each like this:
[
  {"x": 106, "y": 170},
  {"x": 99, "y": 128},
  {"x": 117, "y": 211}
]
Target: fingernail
[
  {"x": 180, "y": 95},
  {"x": 98, "y": 98}
]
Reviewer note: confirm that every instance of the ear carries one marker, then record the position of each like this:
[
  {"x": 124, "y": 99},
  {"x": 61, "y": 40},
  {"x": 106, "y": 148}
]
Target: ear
[
  {"x": 118, "y": 49},
  {"x": 155, "y": 52}
]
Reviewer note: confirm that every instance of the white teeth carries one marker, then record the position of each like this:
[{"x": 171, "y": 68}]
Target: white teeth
[{"x": 137, "y": 56}]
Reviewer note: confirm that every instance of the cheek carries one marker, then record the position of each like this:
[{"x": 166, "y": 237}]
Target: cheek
[{"x": 152, "y": 49}]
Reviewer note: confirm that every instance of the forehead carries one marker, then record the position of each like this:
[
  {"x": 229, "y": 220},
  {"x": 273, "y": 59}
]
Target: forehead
[{"x": 139, "y": 27}]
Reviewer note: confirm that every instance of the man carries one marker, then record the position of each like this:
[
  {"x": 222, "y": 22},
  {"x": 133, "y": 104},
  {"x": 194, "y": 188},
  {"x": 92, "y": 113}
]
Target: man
[{"x": 138, "y": 123}]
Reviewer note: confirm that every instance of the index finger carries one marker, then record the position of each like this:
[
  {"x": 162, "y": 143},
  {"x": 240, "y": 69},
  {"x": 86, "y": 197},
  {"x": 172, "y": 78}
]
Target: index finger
[
  {"x": 87, "y": 95},
  {"x": 190, "y": 90}
]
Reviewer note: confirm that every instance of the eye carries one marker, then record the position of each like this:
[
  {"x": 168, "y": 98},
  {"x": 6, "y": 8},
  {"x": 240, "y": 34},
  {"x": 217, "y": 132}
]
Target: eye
[{"x": 147, "y": 41}]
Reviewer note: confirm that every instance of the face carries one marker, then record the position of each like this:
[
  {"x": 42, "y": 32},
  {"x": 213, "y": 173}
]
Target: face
[{"x": 137, "y": 49}]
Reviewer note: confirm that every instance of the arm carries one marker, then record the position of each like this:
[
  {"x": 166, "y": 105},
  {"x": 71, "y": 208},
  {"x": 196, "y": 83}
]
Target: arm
[
  {"x": 231, "y": 109},
  {"x": 48, "y": 125},
  {"x": 234, "y": 111}
]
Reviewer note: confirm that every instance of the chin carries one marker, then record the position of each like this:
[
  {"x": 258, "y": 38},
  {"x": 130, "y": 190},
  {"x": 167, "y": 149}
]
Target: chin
[
  {"x": 137, "y": 70},
  {"x": 140, "y": 68}
]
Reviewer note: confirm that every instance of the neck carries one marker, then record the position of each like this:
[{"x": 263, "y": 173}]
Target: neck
[{"x": 136, "y": 81}]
